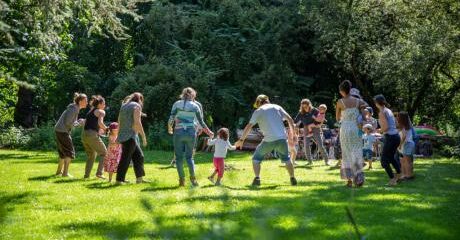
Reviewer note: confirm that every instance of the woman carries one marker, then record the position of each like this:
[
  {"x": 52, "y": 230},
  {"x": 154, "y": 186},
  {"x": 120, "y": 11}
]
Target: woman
[
  {"x": 130, "y": 126},
  {"x": 92, "y": 143},
  {"x": 184, "y": 114},
  {"x": 391, "y": 139},
  {"x": 305, "y": 117},
  {"x": 348, "y": 109},
  {"x": 62, "y": 129}
]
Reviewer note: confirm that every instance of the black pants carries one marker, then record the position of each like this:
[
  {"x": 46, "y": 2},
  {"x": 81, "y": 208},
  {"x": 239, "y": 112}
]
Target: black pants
[
  {"x": 390, "y": 146},
  {"x": 130, "y": 150}
]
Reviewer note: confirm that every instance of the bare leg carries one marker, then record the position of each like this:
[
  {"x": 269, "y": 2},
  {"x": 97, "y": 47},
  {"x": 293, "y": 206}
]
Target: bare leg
[
  {"x": 256, "y": 167},
  {"x": 60, "y": 165},
  {"x": 110, "y": 176},
  {"x": 65, "y": 173},
  {"x": 370, "y": 164},
  {"x": 290, "y": 168}
]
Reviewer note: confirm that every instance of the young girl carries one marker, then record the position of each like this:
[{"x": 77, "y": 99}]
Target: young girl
[
  {"x": 407, "y": 145},
  {"x": 112, "y": 158},
  {"x": 221, "y": 144},
  {"x": 319, "y": 119}
]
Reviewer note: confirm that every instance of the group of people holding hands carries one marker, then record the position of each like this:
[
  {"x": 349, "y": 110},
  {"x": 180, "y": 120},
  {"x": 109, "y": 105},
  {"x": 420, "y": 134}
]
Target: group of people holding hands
[{"x": 357, "y": 137}]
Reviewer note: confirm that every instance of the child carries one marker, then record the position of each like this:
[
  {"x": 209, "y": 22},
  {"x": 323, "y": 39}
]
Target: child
[
  {"x": 221, "y": 144},
  {"x": 293, "y": 147},
  {"x": 112, "y": 158},
  {"x": 319, "y": 119},
  {"x": 407, "y": 146},
  {"x": 369, "y": 141}
]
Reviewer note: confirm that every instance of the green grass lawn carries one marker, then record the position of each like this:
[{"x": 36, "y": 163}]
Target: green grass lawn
[{"x": 36, "y": 205}]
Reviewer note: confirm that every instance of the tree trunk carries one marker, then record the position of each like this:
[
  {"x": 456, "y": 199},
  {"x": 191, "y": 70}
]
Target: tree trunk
[{"x": 23, "y": 115}]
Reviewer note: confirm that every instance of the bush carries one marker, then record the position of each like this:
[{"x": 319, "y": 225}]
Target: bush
[
  {"x": 158, "y": 137},
  {"x": 14, "y": 137},
  {"x": 42, "y": 138},
  {"x": 451, "y": 151}
]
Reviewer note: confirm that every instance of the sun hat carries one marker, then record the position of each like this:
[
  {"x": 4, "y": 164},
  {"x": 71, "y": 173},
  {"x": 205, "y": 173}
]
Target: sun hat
[
  {"x": 355, "y": 93},
  {"x": 367, "y": 126}
]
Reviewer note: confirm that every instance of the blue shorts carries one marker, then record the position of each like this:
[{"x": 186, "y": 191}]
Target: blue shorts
[
  {"x": 408, "y": 149},
  {"x": 280, "y": 146},
  {"x": 367, "y": 154}
]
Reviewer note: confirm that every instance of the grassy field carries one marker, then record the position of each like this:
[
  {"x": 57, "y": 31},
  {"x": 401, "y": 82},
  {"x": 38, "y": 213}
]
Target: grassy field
[{"x": 36, "y": 205}]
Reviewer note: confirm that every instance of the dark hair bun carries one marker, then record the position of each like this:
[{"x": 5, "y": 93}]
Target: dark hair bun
[{"x": 345, "y": 86}]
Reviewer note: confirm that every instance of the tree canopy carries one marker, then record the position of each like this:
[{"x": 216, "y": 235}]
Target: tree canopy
[{"x": 230, "y": 51}]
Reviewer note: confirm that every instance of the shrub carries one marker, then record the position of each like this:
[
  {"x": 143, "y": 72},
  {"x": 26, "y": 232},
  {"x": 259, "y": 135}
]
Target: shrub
[
  {"x": 158, "y": 137},
  {"x": 42, "y": 138},
  {"x": 14, "y": 137}
]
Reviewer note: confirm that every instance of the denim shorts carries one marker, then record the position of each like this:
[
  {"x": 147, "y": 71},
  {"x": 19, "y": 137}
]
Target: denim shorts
[
  {"x": 408, "y": 149},
  {"x": 280, "y": 146},
  {"x": 367, "y": 154}
]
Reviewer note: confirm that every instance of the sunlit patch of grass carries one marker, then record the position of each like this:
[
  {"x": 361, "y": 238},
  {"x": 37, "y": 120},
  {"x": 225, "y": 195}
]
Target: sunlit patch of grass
[{"x": 37, "y": 205}]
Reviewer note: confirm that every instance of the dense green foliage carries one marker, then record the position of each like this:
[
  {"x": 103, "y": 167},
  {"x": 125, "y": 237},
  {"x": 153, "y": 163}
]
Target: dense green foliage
[
  {"x": 36, "y": 205},
  {"x": 230, "y": 51}
]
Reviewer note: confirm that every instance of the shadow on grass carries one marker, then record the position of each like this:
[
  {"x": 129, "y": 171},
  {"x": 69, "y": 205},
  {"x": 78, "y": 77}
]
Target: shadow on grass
[
  {"x": 159, "y": 188},
  {"x": 104, "y": 229},
  {"x": 8, "y": 202},
  {"x": 42, "y": 178},
  {"x": 101, "y": 185},
  {"x": 69, "y": 180}
]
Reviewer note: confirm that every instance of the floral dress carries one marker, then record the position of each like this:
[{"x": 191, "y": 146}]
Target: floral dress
[
  {"x": 351, "y": 145},
  {"x": 112, "y": 158}
]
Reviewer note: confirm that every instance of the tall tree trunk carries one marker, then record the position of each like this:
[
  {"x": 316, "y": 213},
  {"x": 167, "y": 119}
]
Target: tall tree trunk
[{"x": 23, "y": 115}]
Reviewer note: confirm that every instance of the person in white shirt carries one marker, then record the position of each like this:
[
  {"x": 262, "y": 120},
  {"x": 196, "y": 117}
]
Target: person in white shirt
[
  {"x": 221, "y": 145},
  {"x": 270, "y": 119},
  {"x": 369, "y": 140}
]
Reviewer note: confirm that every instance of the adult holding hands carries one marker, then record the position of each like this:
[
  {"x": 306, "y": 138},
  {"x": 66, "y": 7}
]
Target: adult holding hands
[{"x": 184, "y": 114}]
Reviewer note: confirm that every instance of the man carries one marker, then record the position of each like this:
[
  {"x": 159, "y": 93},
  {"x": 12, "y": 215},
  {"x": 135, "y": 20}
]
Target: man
[{"x": 270, "y": 119}]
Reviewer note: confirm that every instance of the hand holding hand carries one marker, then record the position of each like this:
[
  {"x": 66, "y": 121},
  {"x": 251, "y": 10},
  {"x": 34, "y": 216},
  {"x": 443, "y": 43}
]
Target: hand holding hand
[{"x": 239, "y": 144}]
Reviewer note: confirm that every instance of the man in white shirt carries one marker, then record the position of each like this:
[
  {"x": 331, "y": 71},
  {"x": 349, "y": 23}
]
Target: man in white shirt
[{"x": 270, "y": 118}]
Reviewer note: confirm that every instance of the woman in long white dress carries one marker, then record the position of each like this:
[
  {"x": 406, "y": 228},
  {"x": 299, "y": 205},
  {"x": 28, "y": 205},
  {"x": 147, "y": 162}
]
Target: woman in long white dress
[{"x": 348, "y": 109}]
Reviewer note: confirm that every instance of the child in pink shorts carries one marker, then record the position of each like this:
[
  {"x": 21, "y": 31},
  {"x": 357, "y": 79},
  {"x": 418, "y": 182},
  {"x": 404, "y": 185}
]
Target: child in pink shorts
[{"x": 221, "y": 145}]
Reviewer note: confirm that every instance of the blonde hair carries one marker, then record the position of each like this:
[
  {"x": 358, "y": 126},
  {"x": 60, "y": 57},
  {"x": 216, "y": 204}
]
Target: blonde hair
[
  {"x": 188, "y": 93},
  {"x": 305, "y": 101},
  {"x": 77, "y": 97},
  {"x": 323, "y": 106},
  {"x": 134, "y": 97}
]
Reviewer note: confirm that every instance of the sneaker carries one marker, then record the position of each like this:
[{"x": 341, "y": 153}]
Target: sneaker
[
  {"x": 121, "y": 183},
  {"x": 210, "y": 178},
  {"x": 218, "y": 183},
  {"x": 100, "y": 176},
  {"x": 256, "y": 181},
  {"x": 194, "y": 182},
  {"x": 293, "y": 181},
  {"x": 142, "y": 181},
  {"x": 68, "y": 175},
  {"x": 393, "y": 182}
]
